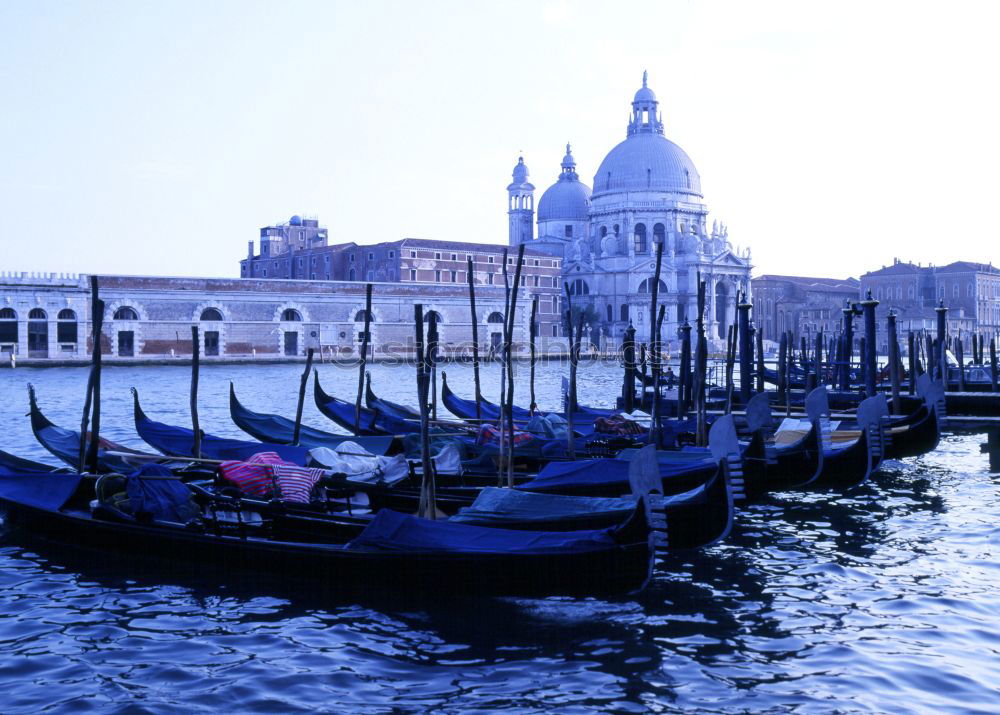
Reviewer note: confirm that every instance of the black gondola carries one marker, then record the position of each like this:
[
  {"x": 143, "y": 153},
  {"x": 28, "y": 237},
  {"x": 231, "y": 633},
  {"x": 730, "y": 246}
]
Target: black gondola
[{"x": 429, "y": 556}]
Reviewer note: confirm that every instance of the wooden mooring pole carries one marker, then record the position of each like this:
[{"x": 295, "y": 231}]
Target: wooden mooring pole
[
  {"x": 195, "y": 367},
  {"x": 302, "y": 398}
]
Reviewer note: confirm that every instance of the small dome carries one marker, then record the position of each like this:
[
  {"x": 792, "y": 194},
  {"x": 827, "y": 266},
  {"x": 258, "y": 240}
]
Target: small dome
[
  {"x": 645, "y": 94},
  {"x": 520, "y": 173},
  {"x": 295, "y": 220},
  {"x": 565, "y": 201}
]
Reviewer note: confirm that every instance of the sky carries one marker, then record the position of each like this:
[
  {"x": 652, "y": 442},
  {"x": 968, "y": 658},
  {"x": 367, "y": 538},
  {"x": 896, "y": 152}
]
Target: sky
[{"x": 158, "y": 137}]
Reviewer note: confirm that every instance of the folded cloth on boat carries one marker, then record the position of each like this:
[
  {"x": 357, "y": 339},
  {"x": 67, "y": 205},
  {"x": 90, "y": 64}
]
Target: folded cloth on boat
[
  {"x": 490, "y": 434},
  {"x": 550, "y": 426},
  {"x": 359, "y": 465},
  {"x": 391, "y": 531},
  {"x": 617, "y": 424},
  {"x": 265, "y": 472}
]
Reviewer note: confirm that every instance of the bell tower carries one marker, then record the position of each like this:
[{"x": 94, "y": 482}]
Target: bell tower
[{"x": 520, "y": 205}]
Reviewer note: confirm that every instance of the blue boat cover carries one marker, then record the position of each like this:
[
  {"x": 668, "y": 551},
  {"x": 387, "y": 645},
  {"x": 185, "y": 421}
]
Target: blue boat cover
[
  {"x": 392, "y": 531},
  {"x": 155, "y": 493},
  {"x": 604, "y": 472},
  {"x": 498, "y": 506},
  {"x": 44, "y": 490},
  {"x": 275, "y": 428},
  {"x": 179, "y": 441}
]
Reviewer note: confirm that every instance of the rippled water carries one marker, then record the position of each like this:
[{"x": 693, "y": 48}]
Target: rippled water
[{"x": 882, "y": 599}]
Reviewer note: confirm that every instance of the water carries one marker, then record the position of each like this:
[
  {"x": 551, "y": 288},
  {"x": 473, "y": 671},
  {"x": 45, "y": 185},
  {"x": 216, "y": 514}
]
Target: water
[{"x": 883, "y": 599}]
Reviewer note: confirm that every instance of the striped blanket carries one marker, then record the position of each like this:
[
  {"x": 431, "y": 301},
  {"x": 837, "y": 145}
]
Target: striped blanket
[{"x": 265, "y": 474}]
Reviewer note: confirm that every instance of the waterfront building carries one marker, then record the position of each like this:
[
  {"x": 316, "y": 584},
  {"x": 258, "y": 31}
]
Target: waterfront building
[
  {"x": 802, "y": 304},
  {"x": 646, "y": 192},
  {"x": 47, "y": 317},
  {"x": 970, "y": 291}
]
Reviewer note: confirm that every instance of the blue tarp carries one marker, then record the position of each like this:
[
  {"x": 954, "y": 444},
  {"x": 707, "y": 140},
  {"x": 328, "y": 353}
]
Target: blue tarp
[
  {"x": 506, "y": 505},
  {"x": 155, "y": 493},
  {"x": 392, "y": 531},
  {"x": 179, "y": 441},
  {"x": 45, "y": 490},
  {"x": 605, "y": 472}
]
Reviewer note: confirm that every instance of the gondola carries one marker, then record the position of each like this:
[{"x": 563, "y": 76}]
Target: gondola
[
  {"x": 64, "y": 444},
  {"x": 393, "y": 409},
  {"x": 393, "y": 551},
  {"x": 583, "y": 416},
  {"x": 280, "y": 430},
  {"x": 373, "y": 422},
  {"x": 176, "y": 441},
  {"x": 13, "y": 462}
]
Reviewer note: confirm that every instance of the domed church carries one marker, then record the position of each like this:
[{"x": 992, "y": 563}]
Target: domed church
[{"x": 647, "y": 191}]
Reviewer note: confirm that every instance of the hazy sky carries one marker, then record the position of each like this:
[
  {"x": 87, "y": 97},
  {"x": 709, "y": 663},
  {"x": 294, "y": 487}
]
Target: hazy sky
[{"x": 157, "y": 137}]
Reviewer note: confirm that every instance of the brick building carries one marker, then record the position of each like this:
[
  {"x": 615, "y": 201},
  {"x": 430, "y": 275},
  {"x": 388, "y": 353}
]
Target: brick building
[
  {"x": 294, "y": 250},
  {"x": 801, "y": 304}
]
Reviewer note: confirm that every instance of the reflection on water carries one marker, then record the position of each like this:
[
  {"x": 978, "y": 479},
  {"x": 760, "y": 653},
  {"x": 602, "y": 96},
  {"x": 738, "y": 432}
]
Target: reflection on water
[{"x": 881, "y": 599}]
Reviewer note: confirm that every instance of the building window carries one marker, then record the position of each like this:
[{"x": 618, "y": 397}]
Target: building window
[
  {"x": 555, "y": 330},
  {"x": 489, "y": 278},
  {"x": 290, "y": 315},
  {"x": 659, "y": 233},
  {"x": 536, "y": 263},
  {"x": 413, "y": 254},
  {"x": 454, "y": 276},
  {"x": 437, "y": 256},
  {"x": 454, "y": 256},
  {"x": 359, "y": 317},
  {"x": 211, "y": 314},
  {"x": 371, "y": 256},
  {"x": 413, "y": 274},
  {"x": 610, "y": 312},
  {"x": 66, "y": 327},
  {"x": 126, "y": 313},
  {"x": 351, "y": 275},
  {"x": 535, "y": 279},
  {"x": 437, "y": 276},
  {"x": 579, "y": 287},
  {"x": 510, "y": 261},
  {"x": 489, "y": 259},
  {"x": 495, "y": 317},
  {"x": 623, "y": 312},
  {"x": 265, "y": 273},
  {"x": 523, "y": 279},
  {"x": 568, "y": 231},
  {"x": 955, "y": 292},
  {"x": 640, "y": 238},
  {"x": 350, "y": 258},
  {"x": 392, "y": 254}
]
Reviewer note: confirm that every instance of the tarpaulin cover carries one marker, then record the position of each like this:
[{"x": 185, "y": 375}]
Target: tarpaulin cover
[
  {"x": 45, "y": 490},
  {"x": 65, "y": 444},
  {"x": 392, "y": 531},
  {"x": 602, "y": 472},
  {"x": 155, "y": 493},
  {"x": 505, "y": 505},
  {"x": 278, "y": 429},
  {"x": 179, "y": 441}
]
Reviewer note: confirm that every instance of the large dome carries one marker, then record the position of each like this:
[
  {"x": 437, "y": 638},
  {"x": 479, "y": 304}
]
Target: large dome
[{"x": 647, "y": 162}]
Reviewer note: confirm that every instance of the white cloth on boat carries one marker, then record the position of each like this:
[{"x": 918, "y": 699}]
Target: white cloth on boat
[
  {"x": 360, "y": 465},
  {"x": 448, "y": 460}
]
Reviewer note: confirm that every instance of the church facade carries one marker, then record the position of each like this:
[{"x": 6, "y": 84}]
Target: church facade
[{"x": 645, "y": 192}]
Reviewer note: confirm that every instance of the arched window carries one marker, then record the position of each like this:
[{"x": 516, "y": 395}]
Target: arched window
[
  {"x": 37, "y": 314},
  {"x": 640, "y": 238},
  {"x": 659, "y": 233},
  {"x": 126, "y": 313},
  {"x": 359, "y": 317},
  {"x": 579, "y": 287},
  {"x": 495, "y": 317},
  {"x": 211, "y": 314},
  {"x": 8, "y": 325},
  {"x": 604, "y": 231},
  {"x": 611, "y": 313},
  {"x": 290, "y": 315},
  {"x": 66, "y": 327},
  {"x": 351, "y": 275},
  {"x": 437, "y": 316},
  {"x": 647, "y": 285},
  {"x": 623, "y": 312}
]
